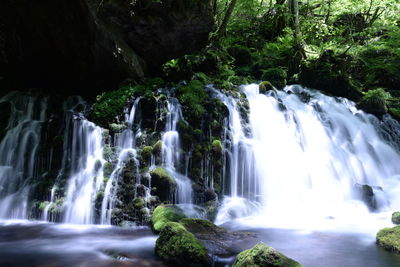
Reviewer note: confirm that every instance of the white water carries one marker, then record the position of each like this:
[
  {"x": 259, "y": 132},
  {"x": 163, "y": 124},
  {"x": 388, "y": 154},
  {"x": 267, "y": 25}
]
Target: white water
[
  {"x": 19, "y": 153},
  {"x": 302, "y": 162},
  {"x": 171, "y": 151},
  {"x": 87, "y": 162},
  {"x": 126, "y": 143}
]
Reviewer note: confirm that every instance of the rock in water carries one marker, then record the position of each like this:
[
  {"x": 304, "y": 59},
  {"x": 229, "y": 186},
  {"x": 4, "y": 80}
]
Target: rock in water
[
  {"x": 262, "y": 255},
  {"x": 396, "y": 217},
  {"x": 389, "y": 239},
  {"x": 179, "y": 247}
]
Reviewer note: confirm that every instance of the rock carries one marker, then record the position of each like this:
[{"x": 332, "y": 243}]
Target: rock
[
  {"x": 262, "y": 255},
  {"x": 96, "y": 44},
  {"x": 374, "y": 102},
  {"x": 164, "y": 214},
  {"x": 241, "y": 55},
  {"x": 5, "y": 113},
  {"x": 366, "y": 194},
  {"x": 157, "y": 148},
  {"x": 329, "y": 73},
  {"x": 147, "y": 151},
  {"x": 217, "y": 240},
  {"x": 177, "y": 246},
  {"x": 217, "y": 147},
  {"x": 396, "y": 217},
  {"x": 265, "y": 87},
  {"x": 389, "y": 239},
  {"x": 276, "y": 76},
  {"x": 165, "y": 184}
]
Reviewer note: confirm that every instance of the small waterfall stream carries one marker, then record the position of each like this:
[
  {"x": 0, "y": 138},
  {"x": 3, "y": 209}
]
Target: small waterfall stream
[
  {"x": 306, "y": 161},
  {"x": 171, "y": 153}
]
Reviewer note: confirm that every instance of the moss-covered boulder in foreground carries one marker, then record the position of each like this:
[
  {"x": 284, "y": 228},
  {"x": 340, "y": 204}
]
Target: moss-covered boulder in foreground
[
  {"x": 262, "y": 255},
  {"x": 164, "y": 214},
  {"x": 177, "y": 246},
  {"x": 389, "y": 239},
  {"x": 396, "y": 217}
]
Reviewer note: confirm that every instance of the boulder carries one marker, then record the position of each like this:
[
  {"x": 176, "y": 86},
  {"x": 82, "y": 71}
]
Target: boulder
[
  {"x": 96, "y": 44},
  {"x": 262, "y": 255},
  {"x": 179, "y": 247},
  {"x": 396, "y": 217},
  {"x": 164, "y": 214},
  {"x": 389, "y": 239},
  {"x": 165, "y": 184}
]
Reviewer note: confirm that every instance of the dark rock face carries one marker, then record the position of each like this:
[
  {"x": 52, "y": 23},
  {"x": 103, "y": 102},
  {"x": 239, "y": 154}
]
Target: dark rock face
[{"x": 95, "y": 44}]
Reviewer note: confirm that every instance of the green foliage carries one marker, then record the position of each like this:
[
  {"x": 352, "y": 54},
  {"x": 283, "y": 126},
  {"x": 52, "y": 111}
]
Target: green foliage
[
  {"x": 389, "y": 238},
  {"x": 147, "y": 151},
  {"x": 376, "y": 95},
  {"x": 193, "y": 96}
]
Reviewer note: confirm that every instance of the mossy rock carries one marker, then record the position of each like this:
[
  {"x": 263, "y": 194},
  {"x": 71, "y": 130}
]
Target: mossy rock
[
  {"x": 138, "y": 203},
  {"x": 157, "y": 147},
  {"x": 217, "y": 147},
  {"x": 262, "y": 255},
  {"x": 164, "y": 214},
  {"x": 265, "y": 87},
  {"x": 396, "y": 217},
  {"x": 201, "y": 227},
  {"x": 375, "y": 102},
  {"x": 165, "y": 184},
  {"x": 147, "y": 151},
  {"x": 179, "y": 247},
  {"x": 276, "y": 76},
  {"x": 389, "y": 239}
]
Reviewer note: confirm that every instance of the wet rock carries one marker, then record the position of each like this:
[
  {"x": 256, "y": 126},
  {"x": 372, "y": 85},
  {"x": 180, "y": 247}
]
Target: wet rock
[
  {"x": 389, "y": 239},
  {"x": 165, "y": 184},
  {"x": 177, "y": 246},
  {"x": 266, "y": 86},
  {"x": 164, "y": 214},
  {"x": 366, "y": 194},
  {"x": 96, "y": 44},
  {"x": 262, "y": 255},
  {"x": 396, "y": 217}
]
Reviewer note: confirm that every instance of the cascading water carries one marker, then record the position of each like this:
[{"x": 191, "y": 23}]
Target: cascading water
[
  {"x": 19, "y": 153},
  {"x": 87, "y": 168},
  {"x": 126, "y": 142},
  {"x": 307, "y": 161},
  {"x": 171, "y": 153}
]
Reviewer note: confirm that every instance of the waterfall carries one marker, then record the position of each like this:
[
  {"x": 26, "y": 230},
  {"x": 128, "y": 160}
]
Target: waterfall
[
  {"x": 87, "y": 163},
  {"x": 19, "y": 153},
  {"x": 308, "y": 159},
  {"x": 126, "y": 143},
  {"x": 171, "y": 151}
]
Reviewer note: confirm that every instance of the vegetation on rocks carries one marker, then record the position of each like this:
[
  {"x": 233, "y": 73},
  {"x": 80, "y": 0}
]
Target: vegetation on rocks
[
  {"x": 389, "y": 239},
  {"x": 396, "y": 217},
  {"x": 164, "y": 214},
  {"x": 262, "y": 255}
]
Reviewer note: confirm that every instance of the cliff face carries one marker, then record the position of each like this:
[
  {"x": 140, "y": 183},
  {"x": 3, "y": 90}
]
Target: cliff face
[{"x": 95, "y": 44}]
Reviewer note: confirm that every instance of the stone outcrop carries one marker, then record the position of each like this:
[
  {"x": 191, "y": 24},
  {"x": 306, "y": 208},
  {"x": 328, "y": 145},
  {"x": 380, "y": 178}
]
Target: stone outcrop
[{"x": 95, "y": 44}]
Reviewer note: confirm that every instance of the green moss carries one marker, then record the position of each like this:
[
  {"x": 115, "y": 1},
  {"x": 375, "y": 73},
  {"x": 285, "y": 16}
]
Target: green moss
[
  {"x": 138, "y": 203},
  {"x": 276, "y": 76},
  {"x": 147, "y": 151},
  {"x": 262, "y": 255},
  {"x": 117, "y": 128},
  {"x": 265, "y": 86},
  {"x": 396, "y": 217},
  {"x": 389, "y": 238},
  {"x": 217, "y": 146},
  {"x": 110, "y": 104},
  {"x": 164, "y": 214},
  {"x": 375, "y": 101},
  {"x": 177, "y": 246},
  {"x": 42, "y": 205},
  {"x": 157, "y": 147},
  {"x": 107, "y": 169},
  {"x": 192, "y": 97}
]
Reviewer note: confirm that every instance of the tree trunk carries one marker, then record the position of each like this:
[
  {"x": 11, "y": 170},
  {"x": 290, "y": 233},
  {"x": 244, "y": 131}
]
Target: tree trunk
[{"x": 222, "y": 28}]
